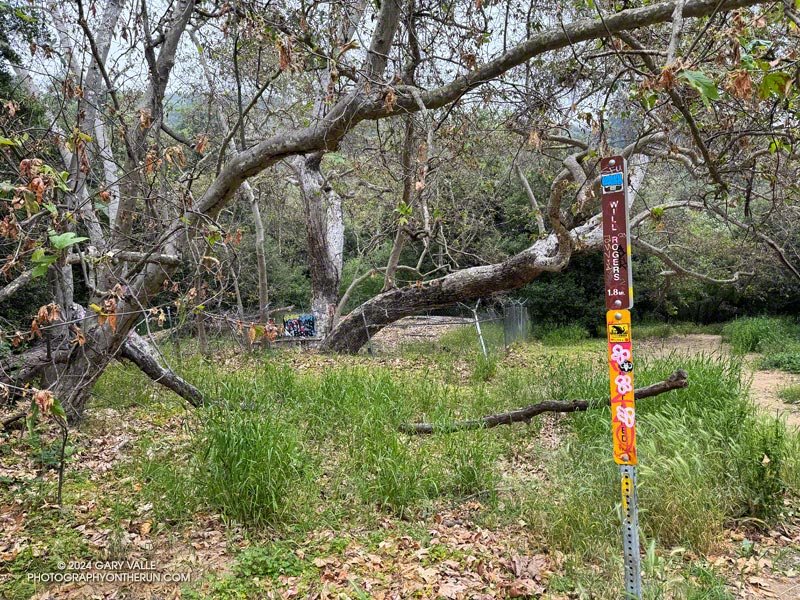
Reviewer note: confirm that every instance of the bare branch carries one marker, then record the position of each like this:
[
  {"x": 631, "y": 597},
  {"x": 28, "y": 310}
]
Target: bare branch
[
  {"x": 532, "y": 198},
  {"x": 356, "y": 107},
  {"x": 677, "y": 26},
  {"x": 17, "y": 284},
  {"x": 677, "y": 268}
]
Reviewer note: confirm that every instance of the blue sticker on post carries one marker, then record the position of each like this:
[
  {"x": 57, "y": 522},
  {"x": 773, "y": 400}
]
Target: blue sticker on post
[{"x": 611, "y": 183}]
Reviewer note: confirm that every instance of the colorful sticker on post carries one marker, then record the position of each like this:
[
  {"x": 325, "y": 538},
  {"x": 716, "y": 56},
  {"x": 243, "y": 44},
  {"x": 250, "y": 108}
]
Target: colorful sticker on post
[{"x": 620, "y": 369}]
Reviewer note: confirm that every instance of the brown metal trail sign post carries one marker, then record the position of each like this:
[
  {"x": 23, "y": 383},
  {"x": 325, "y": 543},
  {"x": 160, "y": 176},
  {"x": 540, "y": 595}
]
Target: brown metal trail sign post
[{"x": 619, "y": 299}]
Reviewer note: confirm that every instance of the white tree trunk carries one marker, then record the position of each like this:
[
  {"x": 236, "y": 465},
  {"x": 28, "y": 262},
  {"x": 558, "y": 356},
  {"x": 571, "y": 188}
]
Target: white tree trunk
[{"x": 325, "y": 236}]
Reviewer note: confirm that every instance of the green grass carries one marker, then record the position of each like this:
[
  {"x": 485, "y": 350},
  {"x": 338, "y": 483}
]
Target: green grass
[
  {"x": 563, "y": 335},
  {"x": 138, "y": 390},
  {"x": 761, "y": 334},
  {"x": 788, "y": 361},
  {"x": 701, "y": 453},
  {"x": 665, "y": 330},
  {"x": 790, "y": 394},
  {"x": 276, "y": 436},
  {"x": 283, "y": 450},
  {"x": 463, "y": 341},
  {"x": 250, "y": 465},
  {"x": 272, "y": 435}
]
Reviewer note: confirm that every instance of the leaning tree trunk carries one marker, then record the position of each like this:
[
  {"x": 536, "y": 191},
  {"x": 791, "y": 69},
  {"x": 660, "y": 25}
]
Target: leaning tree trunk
[
  {"x": 549, "y": 253},
  {"x": 80, "y": 367},
  {"x": 81, "y": 359},
  {"x": 325, "y": 235},
  {"x": 351, "y": 332}
]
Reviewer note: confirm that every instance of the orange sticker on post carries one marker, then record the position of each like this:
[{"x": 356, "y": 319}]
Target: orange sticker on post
[{"x": 620, "y": 370}]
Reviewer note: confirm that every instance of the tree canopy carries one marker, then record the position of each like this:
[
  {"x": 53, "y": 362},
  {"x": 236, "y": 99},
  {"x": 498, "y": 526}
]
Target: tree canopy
[{"x": 375, "y": 160}]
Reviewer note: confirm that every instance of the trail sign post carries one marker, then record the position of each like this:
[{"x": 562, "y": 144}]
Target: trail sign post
[
  {"x": 619, "y": 298},
  {"x": 616, "y": 235}
]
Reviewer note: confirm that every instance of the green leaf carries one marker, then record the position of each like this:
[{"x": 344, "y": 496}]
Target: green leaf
[
  {"x": 773, "y": 83},
  {"x": 30, "y": 420},
  {"x": 702, "y": 83},
  {"x": 42, "y": 262},
  {"x": 59, "y": 178},
  {"x": 777, "y": 145},
  {"x": 57, "y": 409},
  {"x": 21, "y": 14},
  {"x": 4, "y": 141},
  {"x": 757, "y": 44},
  {"x": 65, "y": 240},
  {"x": 39, "y": 271}
]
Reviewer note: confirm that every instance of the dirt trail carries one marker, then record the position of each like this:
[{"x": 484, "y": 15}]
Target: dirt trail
[
  {"x": 764, "y": 385},
  {"x": 415, "y": 329}
]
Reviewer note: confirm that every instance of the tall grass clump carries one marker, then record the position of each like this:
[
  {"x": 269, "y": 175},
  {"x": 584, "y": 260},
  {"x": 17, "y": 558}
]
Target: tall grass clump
[
  {"x": 791, "y": 464},
  {"x": 464, "y": 340},
  {"x": 250, "y": 465},
  {"x": 705, "y": 456},
  {"x": 560, "y": 335},
  {"x": 758, "y": 334},
  {"x": 389, "y": 470},
  {"x": 485, "y": 368},
  {"x": 790, "y": 394}
]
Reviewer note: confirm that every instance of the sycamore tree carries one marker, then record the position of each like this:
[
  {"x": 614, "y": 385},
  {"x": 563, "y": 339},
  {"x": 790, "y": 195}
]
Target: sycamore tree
[{"x": 106, "y": 202}]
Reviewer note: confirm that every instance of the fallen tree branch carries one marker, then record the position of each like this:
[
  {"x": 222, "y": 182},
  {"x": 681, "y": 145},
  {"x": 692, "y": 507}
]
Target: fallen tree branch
[
  {"x": 679, "y": 379},
  {"x": 137, "y": 350},
  {"x": 12, "y": 419}
]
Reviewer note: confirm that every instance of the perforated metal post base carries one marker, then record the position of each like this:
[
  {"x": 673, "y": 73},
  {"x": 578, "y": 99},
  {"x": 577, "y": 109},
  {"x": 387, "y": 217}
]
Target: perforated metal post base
[{"x": 630, "y": 533}]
